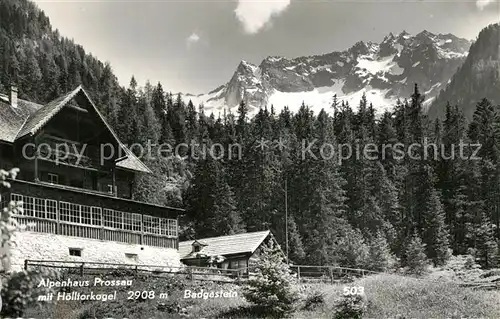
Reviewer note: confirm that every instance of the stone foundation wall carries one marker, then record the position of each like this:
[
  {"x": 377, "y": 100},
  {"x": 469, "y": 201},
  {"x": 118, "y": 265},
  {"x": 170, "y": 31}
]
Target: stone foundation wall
[{"x": 41, "y": 246}]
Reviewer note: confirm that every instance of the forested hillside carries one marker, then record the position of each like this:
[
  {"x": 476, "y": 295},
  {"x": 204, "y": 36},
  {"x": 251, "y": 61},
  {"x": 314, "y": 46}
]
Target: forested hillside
[
  {"x": 45, "y": 66},
  {"x": 344, "y": 213},
  {"x": 350, "y": 212}
]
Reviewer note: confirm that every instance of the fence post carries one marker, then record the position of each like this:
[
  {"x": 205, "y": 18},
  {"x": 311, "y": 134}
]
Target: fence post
[
  {"x": 298, "y": 273},
  {"x": 26, "y": 264},
  {"x": 81, "y": 269},
  {"x": 190, "y": 272},
  {"x": 331, "y": 274}
]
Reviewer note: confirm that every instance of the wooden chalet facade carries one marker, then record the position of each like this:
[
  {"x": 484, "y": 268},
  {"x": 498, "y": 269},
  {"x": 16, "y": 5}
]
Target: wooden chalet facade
[
  {"x": 239, "y": 251},
  {"x": 76, "y": 177}
]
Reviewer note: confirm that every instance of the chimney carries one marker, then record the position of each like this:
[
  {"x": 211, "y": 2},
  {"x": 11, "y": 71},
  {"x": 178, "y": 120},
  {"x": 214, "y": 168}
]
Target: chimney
[{"x": 13, "y": 96}]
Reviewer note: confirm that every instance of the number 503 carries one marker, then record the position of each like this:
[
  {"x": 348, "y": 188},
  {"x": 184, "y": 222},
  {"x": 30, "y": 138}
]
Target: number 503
[{"x": 354, "y": 290}]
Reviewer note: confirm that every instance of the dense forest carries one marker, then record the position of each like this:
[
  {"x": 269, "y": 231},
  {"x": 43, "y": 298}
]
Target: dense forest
[{"x": 347, "y": 213}]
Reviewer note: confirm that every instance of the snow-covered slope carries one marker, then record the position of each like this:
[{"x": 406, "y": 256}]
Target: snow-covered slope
[{"x": 383, "y": 71}]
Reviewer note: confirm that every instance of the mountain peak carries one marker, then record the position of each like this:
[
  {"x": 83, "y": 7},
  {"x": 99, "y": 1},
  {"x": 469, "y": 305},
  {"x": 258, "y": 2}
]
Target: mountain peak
[
  {"x": 425, "y": 33},
  {"x": 403, "y": 34},
  {"x": 389, "y": 37},
  {"x": 386, "y": 71},
  {"x": 245, "y": 67}
]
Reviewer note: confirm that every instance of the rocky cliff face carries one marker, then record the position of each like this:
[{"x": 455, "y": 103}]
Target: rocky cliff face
[
  {"x": 384, "y": 71},
  {"x": 477, "y": 78}
]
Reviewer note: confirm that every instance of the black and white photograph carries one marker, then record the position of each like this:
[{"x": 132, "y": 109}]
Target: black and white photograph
[{"x": 328, "y": 159}]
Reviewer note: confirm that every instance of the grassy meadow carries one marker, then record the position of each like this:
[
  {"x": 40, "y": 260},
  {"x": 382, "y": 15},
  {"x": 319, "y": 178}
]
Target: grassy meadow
[{"x": 386, "y": 296}]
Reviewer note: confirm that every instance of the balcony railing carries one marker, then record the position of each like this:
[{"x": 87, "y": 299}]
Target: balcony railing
[
  {"x": 70, "y": 219},
  {"x": 71, "y": 158},
  {"x": 67, "y": 152}
]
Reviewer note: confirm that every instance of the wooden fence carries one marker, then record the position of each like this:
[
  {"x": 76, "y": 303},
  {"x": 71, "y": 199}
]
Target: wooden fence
[
  {"x": 332, "y": 274},
  {"x": 304, "y": 273},
  {"x": 96, "y": 268}
]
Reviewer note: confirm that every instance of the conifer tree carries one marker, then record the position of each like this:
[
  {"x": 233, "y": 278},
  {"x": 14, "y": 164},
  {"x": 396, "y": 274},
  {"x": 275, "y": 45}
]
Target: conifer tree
[
  {"x": 272, "y": 286},
  {"x": 432, "y": 223},
  {"x": 352, "y": 250},
  {"x": 296, "y": 248},
  {"x": 128, "y": 124},
  {"x": 210, "y": 201},
  {"x": 176, "y": 114},
  {"x": 485, "y": 131},
  {"x": 192, "y": 129},
  {"x": 379, "y": 254},
  {"x": 486, "y": 247},
  {"x": 158, "y": 101},
  {"x": 108, "y": 100},
  {"x": 241, "y": 124},
  {"x": 415, "y": 259}
]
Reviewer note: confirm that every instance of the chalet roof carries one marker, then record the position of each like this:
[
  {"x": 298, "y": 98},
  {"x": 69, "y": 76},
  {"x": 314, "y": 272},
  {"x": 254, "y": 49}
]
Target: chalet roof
[
  {"x": 28, "y": 118},
  {"x": 12, "y": 120},
  {"x": 224, "y": 245}
]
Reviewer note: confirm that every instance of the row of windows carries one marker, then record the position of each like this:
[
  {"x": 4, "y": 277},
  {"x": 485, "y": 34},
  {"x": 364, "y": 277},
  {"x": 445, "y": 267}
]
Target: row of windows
[
  {"x": 121, "y": 220},
  {"x": 95, "y": 216},
  {"x": 36, "y": 207},
  {"x": 160, "y": 226}
]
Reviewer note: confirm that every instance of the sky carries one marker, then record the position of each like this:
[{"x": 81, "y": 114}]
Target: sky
[{"x": 194, "y": 46}]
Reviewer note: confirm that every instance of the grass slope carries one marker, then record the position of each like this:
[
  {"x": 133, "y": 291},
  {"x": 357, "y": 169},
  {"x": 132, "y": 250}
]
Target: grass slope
[{"x": 388, "y": 296}]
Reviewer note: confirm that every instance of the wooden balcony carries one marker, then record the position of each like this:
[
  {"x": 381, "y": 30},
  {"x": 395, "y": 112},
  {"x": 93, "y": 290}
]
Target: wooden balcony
[
  {"x": 70, "y": 153},
  {"x": 69, "y": 212}
]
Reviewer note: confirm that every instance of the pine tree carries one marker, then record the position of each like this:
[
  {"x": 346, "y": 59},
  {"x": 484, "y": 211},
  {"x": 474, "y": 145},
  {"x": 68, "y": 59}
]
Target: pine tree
[
  {"x": 192, "y": 129},
  {"x": 108, "y": 100},
  {"x": 158, "y": 101},
  {"x": 176, "y": 118},
  {"x": 296, "y": 248},
  {"x": 272, "y": 286},
  {"x": 433, "y": 228},
  {"x": 352, "y": 250},
  {"x": 32, "y": 75},
  {"x": 486, "y": 247},
  {"x": 210, "y": 201},
  {"x": 241, "y": 124},
  {"x": 415, "y": 259},
  {"x": 485, "y": 130},
  {"x": 379, "y": 254},
  {"x": 150, "y": 130},
  {"x": 128, "y": 124},
  {"x": 50, "y": 76}
]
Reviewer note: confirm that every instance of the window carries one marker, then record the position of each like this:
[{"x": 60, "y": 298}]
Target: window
[
  {"x": 36, "y": 207},
  {"x": 233, "y": 264},
  {"x": 110, "y": 189},
  {"x": 81, "y": 214},
  {"x": 112, "y": 219},
  {"x": 77, "y": 252},
  {"x": 238, "y": 264},
  {"x": 53, "y": 178},
  {"x": 160, "y": 226},
  {"x": 196, "y": 248},
  {"x": 69, "y": 212},
  {"x": 132, "y": 221}
]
